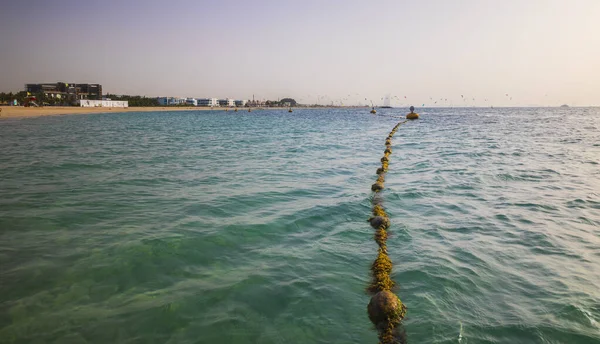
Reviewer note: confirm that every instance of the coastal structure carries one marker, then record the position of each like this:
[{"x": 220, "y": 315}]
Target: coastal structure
[
  {"x": 212, "y": 102},
  {"x": 103, "y": 103},
  {"x": 164, "y": 101},
  {"x": 207, "y": 102},
  {"x": 227, "y": 102},
  {"x": 241, "y": 103},
  {"x": 64, "y": 90},
  {"x": 257, "y": 103}
]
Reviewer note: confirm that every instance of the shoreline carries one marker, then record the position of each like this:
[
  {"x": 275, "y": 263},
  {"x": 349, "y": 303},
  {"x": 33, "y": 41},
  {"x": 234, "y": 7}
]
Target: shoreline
[
  {"x": 30, "y": 112},
  {"x": 27, "y": 112}
]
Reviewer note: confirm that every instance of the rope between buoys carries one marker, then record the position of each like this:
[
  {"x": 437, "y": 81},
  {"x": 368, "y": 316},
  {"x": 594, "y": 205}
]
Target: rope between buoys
[{"x": 385, "y": 309}]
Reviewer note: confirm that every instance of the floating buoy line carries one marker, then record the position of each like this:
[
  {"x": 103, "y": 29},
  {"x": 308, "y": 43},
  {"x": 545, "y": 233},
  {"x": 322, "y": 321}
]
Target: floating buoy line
[{"x": 385, "y": 309}]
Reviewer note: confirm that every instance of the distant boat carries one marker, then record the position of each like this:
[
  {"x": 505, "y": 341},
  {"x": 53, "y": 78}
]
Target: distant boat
[
  {"x": 386, "y": 102},
  {"x": 564, "y": 106}
]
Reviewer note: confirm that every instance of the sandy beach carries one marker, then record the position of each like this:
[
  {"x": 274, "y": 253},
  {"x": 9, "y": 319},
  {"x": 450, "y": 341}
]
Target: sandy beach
[{"x": 20, "y": 111}]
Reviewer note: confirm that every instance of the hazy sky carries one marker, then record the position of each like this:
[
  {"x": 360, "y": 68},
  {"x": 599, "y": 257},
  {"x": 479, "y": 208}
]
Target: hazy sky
[{"x": 540, "y": 52}]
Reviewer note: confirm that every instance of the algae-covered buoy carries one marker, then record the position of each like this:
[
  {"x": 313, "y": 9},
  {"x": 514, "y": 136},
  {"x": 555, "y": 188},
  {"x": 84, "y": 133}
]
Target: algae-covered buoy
[
  {"x": 377, "y": 187},
  {"x": 385, "y": 308},
  {"x": 379, "y": 221}
]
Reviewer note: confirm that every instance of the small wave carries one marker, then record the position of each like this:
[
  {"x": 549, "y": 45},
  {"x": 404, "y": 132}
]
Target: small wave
[
  {"x": 589, "y": 317},
  {"x": 521, "y": 177},
  {"x": 583, "y": 204},
  {"x": 536, "y": 206}
]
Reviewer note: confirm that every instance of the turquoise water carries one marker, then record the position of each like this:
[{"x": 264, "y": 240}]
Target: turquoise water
[{"x": 214, "y": 227}]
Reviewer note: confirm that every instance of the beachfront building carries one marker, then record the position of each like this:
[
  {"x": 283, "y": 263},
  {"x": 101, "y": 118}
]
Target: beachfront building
[
  {"x": 212, "y": 102},
  {"x": 64, "y": 90},
  {"x": 227, "y": 102},
  {"x": 256, "y": 103},
  {"x": 103, "y": 103},
  {"x": 191, "y": 101},
  {"x": 241, "y": 103},
  {"x": 165, "y": 101}
]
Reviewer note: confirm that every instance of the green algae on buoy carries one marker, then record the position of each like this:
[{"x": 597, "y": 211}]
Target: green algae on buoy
[
  {"x": 376, "y": 187},
  {"x": 385, "y": 309},
  {"x": 379, "y": 221}
]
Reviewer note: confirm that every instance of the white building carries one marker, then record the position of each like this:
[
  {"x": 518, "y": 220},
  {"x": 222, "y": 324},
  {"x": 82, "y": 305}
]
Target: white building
[
  {"x": 103, "y": 103},
  {"x": 164, "y": 101},
  {"x": 227, "y": 102},
  {"x": 191, "y": 101},
  {"x": 240, "y": 103},
  {"x": 208, "y": 102}
]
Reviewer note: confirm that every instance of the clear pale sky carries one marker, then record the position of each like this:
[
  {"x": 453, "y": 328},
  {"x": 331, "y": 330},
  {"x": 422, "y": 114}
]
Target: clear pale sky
[{"x": 539, "y": 52}]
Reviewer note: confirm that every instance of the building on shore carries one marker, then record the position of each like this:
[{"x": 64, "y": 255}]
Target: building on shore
[
  {"x": 63, "y": 90},
  {"x": 241, "y": 103},
  {"x": 211, "y": 102},
  {"x": 227, "y": 102},
  {"x": 165, "y": 101},
  {"x": 103, "y": 103},
  {"x": 257, "y": 103},
  {"x": 206, "y": 102}
]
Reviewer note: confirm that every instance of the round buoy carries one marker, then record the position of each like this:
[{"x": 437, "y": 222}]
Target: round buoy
[
  {"x": 412, "y": 115},
  {"x": 379, "y": 221},
  {"x": 385, "y": 308},
  {"x": 377, "y": 187}
]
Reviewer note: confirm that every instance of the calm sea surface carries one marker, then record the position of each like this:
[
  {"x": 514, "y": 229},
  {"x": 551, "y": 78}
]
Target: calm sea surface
[{"x": 223, "y": 227}]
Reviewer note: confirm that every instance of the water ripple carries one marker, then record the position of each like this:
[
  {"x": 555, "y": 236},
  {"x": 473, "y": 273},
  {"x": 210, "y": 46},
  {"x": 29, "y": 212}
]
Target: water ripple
[{"x": 207, "y": 226}]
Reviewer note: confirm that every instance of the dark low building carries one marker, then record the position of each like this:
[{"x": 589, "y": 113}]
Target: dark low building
[{"x": 67, "y": 90}]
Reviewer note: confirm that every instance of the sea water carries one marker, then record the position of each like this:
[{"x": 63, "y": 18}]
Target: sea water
[{"x": 223, "y": 227}]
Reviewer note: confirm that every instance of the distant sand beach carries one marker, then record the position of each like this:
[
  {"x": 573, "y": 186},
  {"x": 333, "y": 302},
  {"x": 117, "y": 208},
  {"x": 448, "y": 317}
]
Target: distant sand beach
[{"x": 20, "y": 111}]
